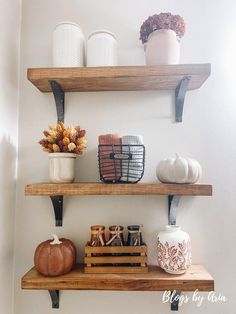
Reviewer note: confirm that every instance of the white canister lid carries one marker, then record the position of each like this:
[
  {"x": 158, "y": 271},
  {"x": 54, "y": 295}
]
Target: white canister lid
[
  {"x": 68, "y": 22},
  {"x": 102, "y": 31}
]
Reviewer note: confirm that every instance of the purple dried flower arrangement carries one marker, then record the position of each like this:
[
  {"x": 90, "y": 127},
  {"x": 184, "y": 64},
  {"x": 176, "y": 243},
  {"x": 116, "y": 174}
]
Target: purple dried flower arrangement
[{"x": 162, "y": 21}]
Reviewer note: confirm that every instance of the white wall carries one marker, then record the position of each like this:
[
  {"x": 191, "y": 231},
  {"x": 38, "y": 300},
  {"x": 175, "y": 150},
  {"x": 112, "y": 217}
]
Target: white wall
[
  {"x": 9, "y": 63},
  {"x": 207, "y": 134}
]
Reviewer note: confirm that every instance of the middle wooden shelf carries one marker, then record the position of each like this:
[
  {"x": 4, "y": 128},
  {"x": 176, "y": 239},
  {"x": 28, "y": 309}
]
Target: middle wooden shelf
[
  {"x": 86, "y": 188},
  {"x": 174, "y": 191}
]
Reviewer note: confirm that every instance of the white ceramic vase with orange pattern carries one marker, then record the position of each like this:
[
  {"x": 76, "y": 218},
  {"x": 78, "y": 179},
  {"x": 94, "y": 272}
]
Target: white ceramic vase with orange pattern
[{"x": 173, "y": 250}]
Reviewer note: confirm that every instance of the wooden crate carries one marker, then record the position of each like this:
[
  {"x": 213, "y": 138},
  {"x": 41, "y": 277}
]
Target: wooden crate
[{"x": 102, "y": 263}]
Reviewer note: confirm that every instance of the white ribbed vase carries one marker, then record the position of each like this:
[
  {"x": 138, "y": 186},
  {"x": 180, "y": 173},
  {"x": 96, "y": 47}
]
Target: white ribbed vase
[
  {"x": 102, "y": 49},
  {"x": 162, "y": 47},
  {"x": 173, "y": 250},
  {"x": 68, "y": 45},
  {"x": 62, "y": 167}
]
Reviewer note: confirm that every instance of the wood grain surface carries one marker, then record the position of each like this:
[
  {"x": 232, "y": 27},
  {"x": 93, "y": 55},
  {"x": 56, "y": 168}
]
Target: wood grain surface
[
  {"x": 155, "y": 280},
  {"x": 121, "y": 78},
  {"x": 46, "y": 189},
  {"x": 115, "y": 249}
]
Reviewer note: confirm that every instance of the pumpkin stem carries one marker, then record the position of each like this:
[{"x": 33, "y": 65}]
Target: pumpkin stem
[
  {"x": 176, "y": 155},
  {"x": 55, "y": 240}
]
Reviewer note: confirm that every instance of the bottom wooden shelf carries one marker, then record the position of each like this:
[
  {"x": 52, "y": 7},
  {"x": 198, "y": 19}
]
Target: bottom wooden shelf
[{"x": 155, "y": 280}]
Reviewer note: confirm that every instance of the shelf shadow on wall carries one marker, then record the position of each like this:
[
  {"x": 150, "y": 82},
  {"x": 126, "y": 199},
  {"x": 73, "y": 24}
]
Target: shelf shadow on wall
[{"x": 7, "y": 216}]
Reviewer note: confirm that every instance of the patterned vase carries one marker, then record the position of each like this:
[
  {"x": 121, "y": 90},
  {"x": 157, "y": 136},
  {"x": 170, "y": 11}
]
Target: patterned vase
[{"x": 173, "y": 250}]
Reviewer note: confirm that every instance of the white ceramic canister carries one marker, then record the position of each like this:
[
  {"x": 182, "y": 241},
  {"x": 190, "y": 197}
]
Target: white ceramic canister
[
  {"x": 62, "y": 167},
  {"x": 101, "y": 49},
  {"x": 173, "y": 250},
  {"x": 162, "y": 47},
  {"x": 68, "y": 45}
]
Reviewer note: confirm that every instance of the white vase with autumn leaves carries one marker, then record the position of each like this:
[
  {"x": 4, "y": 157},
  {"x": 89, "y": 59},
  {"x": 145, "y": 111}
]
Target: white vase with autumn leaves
[{"x": 173, "y": 250}]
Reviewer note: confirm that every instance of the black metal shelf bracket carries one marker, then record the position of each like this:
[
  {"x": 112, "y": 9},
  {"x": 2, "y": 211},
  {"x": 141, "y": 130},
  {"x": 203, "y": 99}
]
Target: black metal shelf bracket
[
  {"x": 59, "y": 96},
  {"x": 180, "y": 93},
  {"x": 173, "y": 203},
  {"x": 175, "y": 296},
  {"x": 57, "y": 202},
  {"x": 54, "y": 294}
]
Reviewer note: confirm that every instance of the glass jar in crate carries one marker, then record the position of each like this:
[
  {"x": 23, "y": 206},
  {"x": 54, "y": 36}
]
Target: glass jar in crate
[
  {"x": 116, "y": 237},
  {"x": 101, "y": 49},
  {"x": 134, "y": 239},
  {"x": 134, "y": 235},
  {"x": 97, "y": 235}
]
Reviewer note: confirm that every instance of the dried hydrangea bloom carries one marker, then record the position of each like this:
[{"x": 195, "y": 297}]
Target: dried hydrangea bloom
[{"x": 162, "y": 21}]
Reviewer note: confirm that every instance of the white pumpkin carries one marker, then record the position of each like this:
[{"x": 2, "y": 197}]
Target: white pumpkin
[{"x": 179, "y": 170}]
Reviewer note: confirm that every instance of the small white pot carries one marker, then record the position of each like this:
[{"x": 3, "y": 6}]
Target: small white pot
[
  {"x": 162, "y": 47},
  {"x": 102, "y": 49},
  {"x": 173, "y": 250},
  {"x": 68, "y": 45},
  {"x": 62, "y": 167}
]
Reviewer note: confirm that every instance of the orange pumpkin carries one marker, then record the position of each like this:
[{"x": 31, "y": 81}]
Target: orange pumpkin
[{"x": 55, "y": 258}]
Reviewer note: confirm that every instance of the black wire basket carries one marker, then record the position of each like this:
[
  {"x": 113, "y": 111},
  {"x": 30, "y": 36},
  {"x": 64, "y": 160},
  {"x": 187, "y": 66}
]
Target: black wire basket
[{"x": 121, "y": 163}]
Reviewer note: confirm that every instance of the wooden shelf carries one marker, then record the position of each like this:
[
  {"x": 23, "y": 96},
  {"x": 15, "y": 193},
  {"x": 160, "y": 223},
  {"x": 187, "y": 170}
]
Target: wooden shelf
[
  {"x": 174, "y": 191},
  {"x": 155, "y": 280},
  {"x": 51, "y": 189},
  {"x": 179, "y": 78},
  {"x": 122, "y": 78}
]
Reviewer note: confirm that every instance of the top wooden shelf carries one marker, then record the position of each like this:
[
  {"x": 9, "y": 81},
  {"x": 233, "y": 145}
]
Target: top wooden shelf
[
  {"x": 50, "y": 189},
  {"x": 121, "y": 78}
]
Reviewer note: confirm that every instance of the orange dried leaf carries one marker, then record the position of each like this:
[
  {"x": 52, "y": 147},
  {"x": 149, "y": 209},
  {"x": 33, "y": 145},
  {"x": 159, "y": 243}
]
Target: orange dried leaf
[
  {"x": 71, "y": 147},
  {"x": 66, "y": 141},
  {"x": 56, "y": 148},
  {"x": 46, "y": 133}
]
